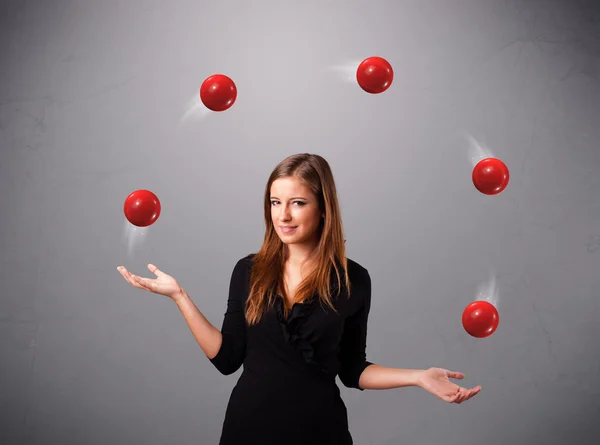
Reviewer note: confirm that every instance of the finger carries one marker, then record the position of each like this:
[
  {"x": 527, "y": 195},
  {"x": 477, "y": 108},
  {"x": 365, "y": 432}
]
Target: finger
[
  {"x": 469, "y": 393},
  {"x": 451, "y": 398},
  {"x": 467, "y": 396},
  {"x": 155, "y": 270},
  {"x": 124, "y": 271},
  {"x": 456, "y": 397},
  {"x": 146, "y": 283},
  {"x": 138, "y": 282},
  {"x": 455, "y": 375},
  {"x": 135, "y": 281},
  {"x": 474, "y": 391},
  {"x": 127, "y": 275},
  {"x": 462, "y": 395}
]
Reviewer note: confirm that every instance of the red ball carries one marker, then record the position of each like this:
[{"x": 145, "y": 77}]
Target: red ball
[
  {"x": 480, "y": 319},
  {"x": 142, "y": 208},
  {"x": 374, "y": 75},
  {"x": 490, "y": 176},
  {"x": 218, "y": 92}
]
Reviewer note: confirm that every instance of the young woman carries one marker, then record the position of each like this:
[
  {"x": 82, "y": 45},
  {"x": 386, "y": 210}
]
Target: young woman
[{"x": 296, "y": 318}]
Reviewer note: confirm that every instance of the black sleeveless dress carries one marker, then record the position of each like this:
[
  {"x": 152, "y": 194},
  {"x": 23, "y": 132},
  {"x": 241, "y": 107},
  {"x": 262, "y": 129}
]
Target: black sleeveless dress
[{"x": 287, "y": 393}]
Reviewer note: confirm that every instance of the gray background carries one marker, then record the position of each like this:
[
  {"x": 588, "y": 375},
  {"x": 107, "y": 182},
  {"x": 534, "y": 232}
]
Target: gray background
[{"x": 98, "y": 99}]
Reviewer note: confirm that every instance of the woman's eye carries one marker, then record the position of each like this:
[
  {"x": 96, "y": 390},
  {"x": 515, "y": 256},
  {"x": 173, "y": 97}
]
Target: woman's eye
[{"x": 299, "y": 203}]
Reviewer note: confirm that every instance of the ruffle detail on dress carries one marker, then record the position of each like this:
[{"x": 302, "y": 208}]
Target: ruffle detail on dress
[{"x": 292, "y": 327}]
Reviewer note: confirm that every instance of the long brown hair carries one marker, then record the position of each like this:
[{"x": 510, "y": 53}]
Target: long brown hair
[{"x": 268, "y": 264}]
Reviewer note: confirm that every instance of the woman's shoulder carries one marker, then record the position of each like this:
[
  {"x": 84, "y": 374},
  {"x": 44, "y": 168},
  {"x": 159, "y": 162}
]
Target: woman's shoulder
[
  {"x": 247, "y": 259},
  {"x": 354, "y": 268},
  {"x": 245, "y": 262},
  {"x": 242, "y": 268},
  {"x": 358, "y": 274}
]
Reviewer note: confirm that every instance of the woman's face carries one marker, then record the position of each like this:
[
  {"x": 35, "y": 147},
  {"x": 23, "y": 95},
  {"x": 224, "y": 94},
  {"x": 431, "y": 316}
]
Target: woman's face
[{"x": 294, "y": 211}]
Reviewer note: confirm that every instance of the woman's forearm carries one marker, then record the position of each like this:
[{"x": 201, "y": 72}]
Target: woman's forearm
[
  {"x": 208, "y": 337},
  {"x": 380, "y": 377}
]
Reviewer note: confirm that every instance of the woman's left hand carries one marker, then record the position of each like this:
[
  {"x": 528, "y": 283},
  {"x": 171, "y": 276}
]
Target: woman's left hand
[{"x": 436, "y": 381}]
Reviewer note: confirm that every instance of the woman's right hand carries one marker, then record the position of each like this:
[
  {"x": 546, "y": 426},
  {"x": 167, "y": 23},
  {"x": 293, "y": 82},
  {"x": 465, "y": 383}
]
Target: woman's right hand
[{"x": 163, "y": 284}]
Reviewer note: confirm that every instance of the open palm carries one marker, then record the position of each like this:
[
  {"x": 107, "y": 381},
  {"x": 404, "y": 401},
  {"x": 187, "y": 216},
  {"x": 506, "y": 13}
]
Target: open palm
[
  {"x": 163, "y": 284},
  {"x": 436, "y": 381}
]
